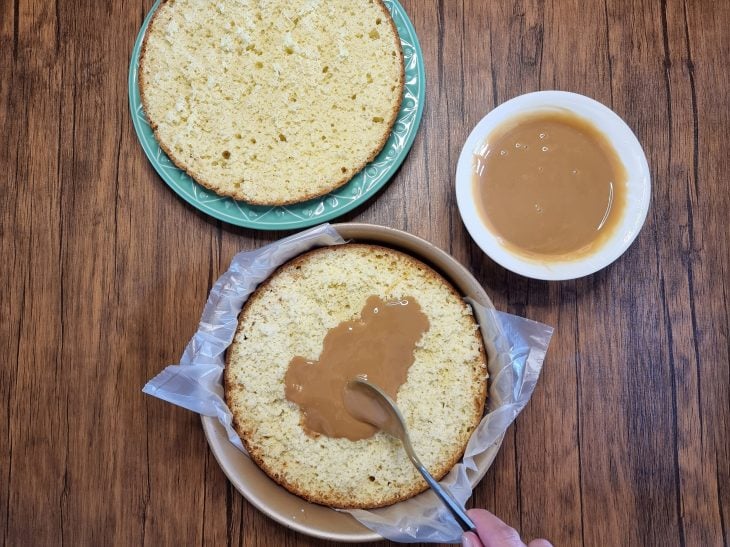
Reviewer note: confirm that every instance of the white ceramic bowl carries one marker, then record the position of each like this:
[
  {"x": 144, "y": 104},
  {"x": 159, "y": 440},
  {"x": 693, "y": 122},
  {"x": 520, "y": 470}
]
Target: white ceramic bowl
[{"x": 629, "y": 151}]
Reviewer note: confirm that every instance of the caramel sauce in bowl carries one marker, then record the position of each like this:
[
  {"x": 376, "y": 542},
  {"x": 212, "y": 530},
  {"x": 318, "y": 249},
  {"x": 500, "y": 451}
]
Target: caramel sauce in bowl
[{"x": 553, "y": 185}]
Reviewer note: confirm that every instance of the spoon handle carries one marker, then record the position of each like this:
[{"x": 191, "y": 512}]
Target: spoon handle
[
  {"x": 395, "y": 425},
  {"x": 456, "y": 509}
]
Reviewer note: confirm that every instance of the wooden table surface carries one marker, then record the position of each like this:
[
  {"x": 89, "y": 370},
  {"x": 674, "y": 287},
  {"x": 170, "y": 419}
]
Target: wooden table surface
[{"x": 105, "y": 270}]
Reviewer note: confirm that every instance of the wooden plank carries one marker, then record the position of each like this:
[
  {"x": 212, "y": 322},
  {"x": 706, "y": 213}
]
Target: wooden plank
[
  {"x": 13, "y": 250},
  {"x": 697, "y": 247},
  {"x": 626, "y": 407},
  {"x": 33, "y": 486}
]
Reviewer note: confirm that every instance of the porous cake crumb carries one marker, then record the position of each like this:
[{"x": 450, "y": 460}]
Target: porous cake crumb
[
  {"x": 271, "y": 102},
  {"x": 289, "y": 315}
]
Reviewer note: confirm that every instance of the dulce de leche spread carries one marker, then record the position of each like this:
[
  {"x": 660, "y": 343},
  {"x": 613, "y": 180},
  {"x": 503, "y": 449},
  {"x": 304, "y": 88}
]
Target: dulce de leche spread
[
  {"x": 549, "y": 184},
  {"x": 378, "y": 346}
]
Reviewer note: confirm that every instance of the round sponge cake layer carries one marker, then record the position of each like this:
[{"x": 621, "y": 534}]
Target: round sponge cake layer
[
  {"x": 289, "y": 315},
  {"x": 271, "y": 102}
]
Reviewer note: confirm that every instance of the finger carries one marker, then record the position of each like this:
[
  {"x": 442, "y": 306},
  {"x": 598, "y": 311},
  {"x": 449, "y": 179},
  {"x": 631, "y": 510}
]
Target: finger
[
  {"x": 539, "y": 543},
  {"x": 492, "y": 531},
  {"x": 470, "y": 539}
]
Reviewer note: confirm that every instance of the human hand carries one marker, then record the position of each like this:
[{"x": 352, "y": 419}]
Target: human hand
[{"x": 492, "y": 532}]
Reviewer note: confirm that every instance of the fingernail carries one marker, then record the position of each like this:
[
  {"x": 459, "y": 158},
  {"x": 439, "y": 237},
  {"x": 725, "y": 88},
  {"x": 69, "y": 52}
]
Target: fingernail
[{"x": 466, "y": 541}]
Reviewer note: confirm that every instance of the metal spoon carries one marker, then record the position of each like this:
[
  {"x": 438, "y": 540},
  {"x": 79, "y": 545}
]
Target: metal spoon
[{"x": 368, "y": 403}]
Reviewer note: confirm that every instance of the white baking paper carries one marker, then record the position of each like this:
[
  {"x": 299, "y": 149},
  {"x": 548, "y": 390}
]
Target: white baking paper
[
  {"x": 197, "y": 382},
  {"x": 516, "y": 347}
]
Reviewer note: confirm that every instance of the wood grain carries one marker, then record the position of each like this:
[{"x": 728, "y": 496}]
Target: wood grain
[{"x": 627, "y": 438}]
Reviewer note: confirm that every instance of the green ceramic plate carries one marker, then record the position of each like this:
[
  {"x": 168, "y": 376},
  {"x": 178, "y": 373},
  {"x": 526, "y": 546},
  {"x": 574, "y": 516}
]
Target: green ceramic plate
[{"x": 361, "y": 188}]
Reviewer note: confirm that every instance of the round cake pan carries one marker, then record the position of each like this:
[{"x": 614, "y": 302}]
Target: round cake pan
[{"x": 275, "y": 501}]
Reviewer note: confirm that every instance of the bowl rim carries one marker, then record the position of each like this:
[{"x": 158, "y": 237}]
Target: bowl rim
[{"x": 629, "y": 150}]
